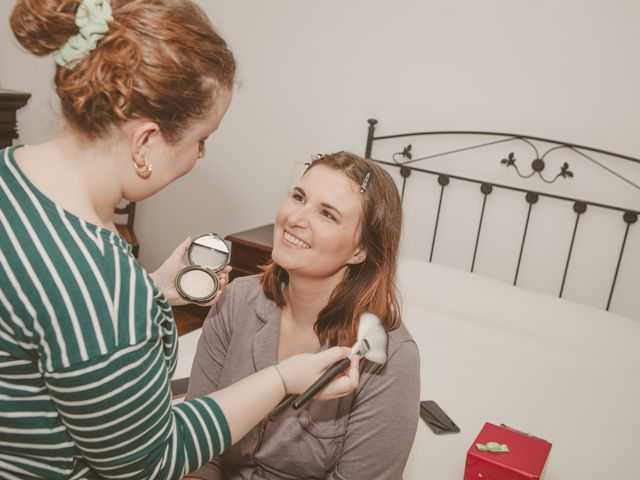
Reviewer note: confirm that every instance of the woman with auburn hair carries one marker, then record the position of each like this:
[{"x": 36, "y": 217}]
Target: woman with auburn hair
[
  {"x": 87, "y": 337},
  {"x": 334, "y": 257}
]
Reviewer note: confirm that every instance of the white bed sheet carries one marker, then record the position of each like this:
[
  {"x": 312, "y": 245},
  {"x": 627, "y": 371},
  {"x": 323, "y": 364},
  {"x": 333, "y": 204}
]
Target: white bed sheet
[{"x": 563, "y": 371}]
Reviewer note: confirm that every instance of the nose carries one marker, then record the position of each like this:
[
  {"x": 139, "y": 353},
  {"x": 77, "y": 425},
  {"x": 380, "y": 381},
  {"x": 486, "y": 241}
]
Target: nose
[{"x": 298, "y": 216}]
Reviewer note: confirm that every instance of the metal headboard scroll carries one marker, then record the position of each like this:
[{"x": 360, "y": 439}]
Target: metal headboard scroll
[{"x": 405, "y": 158}]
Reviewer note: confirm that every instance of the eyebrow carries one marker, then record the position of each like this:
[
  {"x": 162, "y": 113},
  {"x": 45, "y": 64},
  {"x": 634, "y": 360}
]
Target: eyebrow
[{"x": 324, "y": 204}]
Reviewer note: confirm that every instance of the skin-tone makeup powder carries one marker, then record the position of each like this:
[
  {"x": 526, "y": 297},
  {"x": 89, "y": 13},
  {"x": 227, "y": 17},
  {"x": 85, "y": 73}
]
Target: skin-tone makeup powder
[{"x": 197, "y": 284}]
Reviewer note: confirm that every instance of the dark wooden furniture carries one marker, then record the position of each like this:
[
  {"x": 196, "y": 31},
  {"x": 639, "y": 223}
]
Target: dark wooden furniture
[
  {"x": 249, "y": 249},
  {"x": 189, "y": 317},
  {"x": 10, "y": 103},
  {"x": 126, "y": 229}
]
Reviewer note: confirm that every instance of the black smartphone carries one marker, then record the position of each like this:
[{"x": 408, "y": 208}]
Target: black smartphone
[{"x": 438, "y": 421}]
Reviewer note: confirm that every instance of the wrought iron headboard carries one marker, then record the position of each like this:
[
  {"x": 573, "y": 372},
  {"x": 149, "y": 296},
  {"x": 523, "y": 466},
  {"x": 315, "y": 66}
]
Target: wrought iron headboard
[{"x": 406, "y": 162}]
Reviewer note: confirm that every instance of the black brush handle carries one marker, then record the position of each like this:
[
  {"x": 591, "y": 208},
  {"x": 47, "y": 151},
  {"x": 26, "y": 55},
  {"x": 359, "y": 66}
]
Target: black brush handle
[{"x": 332, "y": 372}]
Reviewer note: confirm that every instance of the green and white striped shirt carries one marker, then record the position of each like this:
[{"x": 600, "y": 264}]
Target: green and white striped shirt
[{"x": 87, "y": 348}]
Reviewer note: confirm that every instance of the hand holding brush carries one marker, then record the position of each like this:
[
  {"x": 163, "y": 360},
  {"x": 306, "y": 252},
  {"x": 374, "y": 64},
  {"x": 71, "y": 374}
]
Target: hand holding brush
[{"x": 371, "y": 344}]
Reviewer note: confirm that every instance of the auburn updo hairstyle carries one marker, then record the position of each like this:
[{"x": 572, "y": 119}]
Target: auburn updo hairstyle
[
  {"x": 160, "y": 59},
  {"x": 369, "y": 286}
]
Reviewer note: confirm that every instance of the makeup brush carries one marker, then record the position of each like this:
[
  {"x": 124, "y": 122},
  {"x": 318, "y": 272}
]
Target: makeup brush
[{"x": 371, "y": 344}]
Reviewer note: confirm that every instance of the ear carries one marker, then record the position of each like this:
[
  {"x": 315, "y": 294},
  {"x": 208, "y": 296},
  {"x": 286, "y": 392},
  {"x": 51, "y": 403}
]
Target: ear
[
  {"x": 359, "y": 256},
  {"x": 140, "y": 141}
]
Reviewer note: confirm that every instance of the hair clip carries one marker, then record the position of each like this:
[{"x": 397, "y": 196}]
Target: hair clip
[
  {"x": 314, "y": 157},
  {"x": 365, "y": 182}
]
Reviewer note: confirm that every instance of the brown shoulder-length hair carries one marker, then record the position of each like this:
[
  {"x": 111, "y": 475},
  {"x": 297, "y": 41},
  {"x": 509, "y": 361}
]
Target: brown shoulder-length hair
[
  {"x": 369, "y": 286},
  {"x": 160, "y": 59}
]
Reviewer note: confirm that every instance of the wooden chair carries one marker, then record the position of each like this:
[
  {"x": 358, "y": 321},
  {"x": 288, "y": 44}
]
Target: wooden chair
[{"x": 126, "y": 229}]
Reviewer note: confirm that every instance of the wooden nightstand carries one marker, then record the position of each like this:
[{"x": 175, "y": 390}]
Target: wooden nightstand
[{"x": 249, "y": 250}]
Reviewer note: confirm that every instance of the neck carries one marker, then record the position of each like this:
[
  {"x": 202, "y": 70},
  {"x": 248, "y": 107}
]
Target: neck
[
  {"x": 307, "y": 296},
  {"x": 87, "y": 182}
]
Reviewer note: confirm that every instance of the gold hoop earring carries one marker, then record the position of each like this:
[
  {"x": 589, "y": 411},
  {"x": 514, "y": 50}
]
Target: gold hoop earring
[{"x": 145, "y": 170}]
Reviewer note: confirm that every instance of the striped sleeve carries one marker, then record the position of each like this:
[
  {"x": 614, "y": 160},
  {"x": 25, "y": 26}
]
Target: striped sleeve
[
  {"x": 117, "y": 409},
  {"x": 87, "y": 347}
]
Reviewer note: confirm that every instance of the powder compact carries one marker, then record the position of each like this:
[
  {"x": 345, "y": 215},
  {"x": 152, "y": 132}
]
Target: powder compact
[{"x": 207, "y": 255}]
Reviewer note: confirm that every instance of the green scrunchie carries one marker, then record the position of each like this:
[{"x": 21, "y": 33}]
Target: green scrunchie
[{"x": 91, "y": 18}]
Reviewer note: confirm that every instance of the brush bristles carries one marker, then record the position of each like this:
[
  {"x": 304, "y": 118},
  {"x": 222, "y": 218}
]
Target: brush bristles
[
  {"x": 377, "y": 339},
  {"x": 367, "y": 321},
  {"x": 371, "y": 329}
]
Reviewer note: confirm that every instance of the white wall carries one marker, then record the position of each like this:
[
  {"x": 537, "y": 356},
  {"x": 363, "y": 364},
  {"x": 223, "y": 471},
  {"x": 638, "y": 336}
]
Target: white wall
[{"x": 311, "y": 73}]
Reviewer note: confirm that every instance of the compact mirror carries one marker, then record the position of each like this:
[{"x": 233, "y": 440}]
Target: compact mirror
[
  {"x": 209, "y": 250},
  {"x": 207, "y": 255}
]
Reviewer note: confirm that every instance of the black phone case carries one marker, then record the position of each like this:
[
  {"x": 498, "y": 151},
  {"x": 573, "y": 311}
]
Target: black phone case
[{"x": 438, "y": 421}]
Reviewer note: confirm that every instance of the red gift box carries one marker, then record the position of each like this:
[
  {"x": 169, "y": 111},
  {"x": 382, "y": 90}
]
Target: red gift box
[{"x": 524, "y": 461}]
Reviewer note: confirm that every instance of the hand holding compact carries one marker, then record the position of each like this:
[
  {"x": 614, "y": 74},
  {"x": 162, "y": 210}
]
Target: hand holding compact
[{"x": 196, "y": 283}]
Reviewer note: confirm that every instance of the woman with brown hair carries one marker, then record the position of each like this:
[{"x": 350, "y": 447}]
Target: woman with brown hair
[
  {"x": 87, "y": 338},
  {"x": 334, "y": 257}
]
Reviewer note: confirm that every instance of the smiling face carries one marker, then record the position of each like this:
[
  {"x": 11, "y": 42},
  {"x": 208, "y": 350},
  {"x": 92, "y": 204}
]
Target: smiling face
[{"x": 317, "y": 228}]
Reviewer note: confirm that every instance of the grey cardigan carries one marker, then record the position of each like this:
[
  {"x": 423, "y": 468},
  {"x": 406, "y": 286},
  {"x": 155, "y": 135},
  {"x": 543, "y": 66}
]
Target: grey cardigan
[{"x": 365, "y": 435}]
